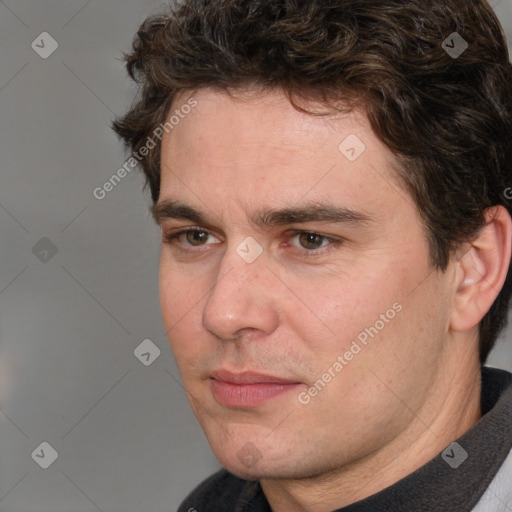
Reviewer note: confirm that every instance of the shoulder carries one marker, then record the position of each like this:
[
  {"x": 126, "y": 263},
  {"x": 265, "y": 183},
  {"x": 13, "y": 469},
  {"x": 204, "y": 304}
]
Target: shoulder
[
  {"x": 216, "y": 493},
  {"x": 499, "y": 492}
]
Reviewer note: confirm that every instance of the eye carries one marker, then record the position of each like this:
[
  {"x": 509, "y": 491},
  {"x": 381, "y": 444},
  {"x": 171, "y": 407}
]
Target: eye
[
  {"x": 311, "y": 244},
  {"x": 193, "y": 237},
  {"x": 314, "y": 242}
]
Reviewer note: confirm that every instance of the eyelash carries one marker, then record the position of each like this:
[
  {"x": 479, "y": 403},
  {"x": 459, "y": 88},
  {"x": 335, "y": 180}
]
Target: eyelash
[{"x": 171, "y": 238}]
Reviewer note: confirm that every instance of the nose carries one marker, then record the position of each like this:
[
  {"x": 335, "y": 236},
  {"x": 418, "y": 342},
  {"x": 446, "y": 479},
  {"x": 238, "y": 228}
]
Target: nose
[{"x": 243, "y": 298}]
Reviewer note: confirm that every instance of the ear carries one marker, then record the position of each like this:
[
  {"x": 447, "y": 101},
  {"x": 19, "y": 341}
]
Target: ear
[{"x": 481, "y": 272}]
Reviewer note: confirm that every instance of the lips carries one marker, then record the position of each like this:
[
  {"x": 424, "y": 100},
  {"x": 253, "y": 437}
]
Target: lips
[{"x": 247, "y": 389}]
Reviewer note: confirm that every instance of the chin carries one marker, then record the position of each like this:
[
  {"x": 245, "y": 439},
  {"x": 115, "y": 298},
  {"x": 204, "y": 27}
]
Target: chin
[
  {"x": 288, "y": 472},
  {"x": 249, "y": 452},
  {"x": 251, "y": 463},
  {"x": 257, "y": 473}
]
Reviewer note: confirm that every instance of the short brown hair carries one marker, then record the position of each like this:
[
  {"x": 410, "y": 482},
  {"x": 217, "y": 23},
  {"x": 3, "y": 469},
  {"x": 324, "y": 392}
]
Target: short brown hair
[{"x": 447, "y": 118}]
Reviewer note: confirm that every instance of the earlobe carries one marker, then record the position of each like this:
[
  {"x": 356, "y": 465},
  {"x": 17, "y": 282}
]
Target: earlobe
[{"x": 482, "y": 271}]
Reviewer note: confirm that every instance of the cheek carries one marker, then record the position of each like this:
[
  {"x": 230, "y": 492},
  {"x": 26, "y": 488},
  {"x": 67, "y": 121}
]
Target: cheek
[
  {"x": 169, "y": 304},
  {"x": 179, "y": 292},
  {"x": 347, "y": 317},
  {"x": 180, "y": 309},
  {"x": 349, "y": 303}
]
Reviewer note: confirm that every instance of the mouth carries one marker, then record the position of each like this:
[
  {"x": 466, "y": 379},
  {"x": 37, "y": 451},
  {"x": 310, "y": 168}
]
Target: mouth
[{"x": 248, "y": 389}]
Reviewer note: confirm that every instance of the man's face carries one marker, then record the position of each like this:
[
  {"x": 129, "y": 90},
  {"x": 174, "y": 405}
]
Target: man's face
[{"x": 300, "y": 353}]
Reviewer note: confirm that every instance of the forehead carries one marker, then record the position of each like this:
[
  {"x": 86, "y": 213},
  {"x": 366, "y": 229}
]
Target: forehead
[
  {"x": 252, "y": 117},
  {"x": 257, "y": 146}
]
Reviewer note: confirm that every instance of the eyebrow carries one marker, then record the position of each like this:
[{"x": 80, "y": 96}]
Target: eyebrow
[{"x": 309, "y": 212}]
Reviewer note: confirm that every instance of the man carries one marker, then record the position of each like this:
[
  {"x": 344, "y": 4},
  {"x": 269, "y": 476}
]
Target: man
[{"x": 331, "y": 182}]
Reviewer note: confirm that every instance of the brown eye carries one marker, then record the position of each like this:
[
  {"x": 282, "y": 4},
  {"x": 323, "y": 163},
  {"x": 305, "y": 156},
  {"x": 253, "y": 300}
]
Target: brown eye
[
  {"x": 312, "y": 245},
  {"x": 311, "y": 240},
  {"x": 195, "y": 237},
  {"x": 187, "y": 237}
]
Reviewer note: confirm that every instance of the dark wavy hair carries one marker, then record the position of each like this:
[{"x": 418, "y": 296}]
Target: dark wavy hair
[{"x": 447, "y": 118}]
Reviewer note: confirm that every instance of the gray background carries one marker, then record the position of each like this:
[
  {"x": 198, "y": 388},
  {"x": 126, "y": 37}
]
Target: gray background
[{"x": 70, "y": 321}]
